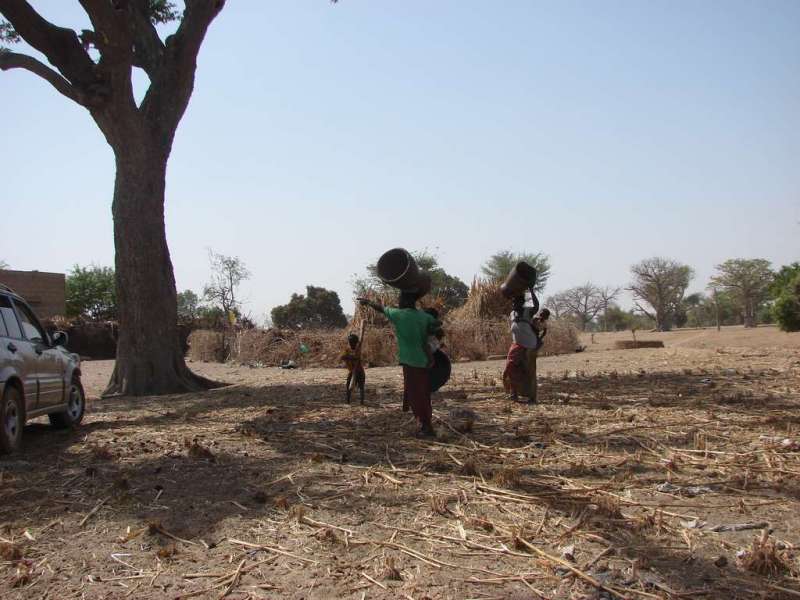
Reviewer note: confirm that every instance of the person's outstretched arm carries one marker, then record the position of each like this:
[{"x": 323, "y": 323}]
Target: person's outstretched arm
[{"x": 373, "y": 305}]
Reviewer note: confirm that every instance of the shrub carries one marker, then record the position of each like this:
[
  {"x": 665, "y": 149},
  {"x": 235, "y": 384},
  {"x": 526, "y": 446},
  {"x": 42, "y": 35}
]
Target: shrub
[{"x": 787, "y": 306}]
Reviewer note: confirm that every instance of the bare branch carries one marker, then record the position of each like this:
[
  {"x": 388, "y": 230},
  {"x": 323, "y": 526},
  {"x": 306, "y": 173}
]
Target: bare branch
[{"x": 14, "y": 60}]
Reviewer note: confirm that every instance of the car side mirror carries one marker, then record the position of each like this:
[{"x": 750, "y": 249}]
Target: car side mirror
[{"x": 60, "y": 338}]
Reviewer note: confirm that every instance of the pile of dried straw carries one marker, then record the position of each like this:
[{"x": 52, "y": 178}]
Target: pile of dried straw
[
  {"x": 464, "y": 340},
  {"x": 475, "y": 331}
]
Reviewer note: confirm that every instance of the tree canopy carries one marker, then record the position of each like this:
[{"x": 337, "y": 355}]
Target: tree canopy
[
  {"x": 583, "y": 302},
  {"x": 660, "y": 284},
  {"x": 785, "y": 275},
  {"x": 188, "y": 306},
  {"x": 227, "y": 274},
  {"x": 748, "y": 282},
  {"x": 785, "y": 290},
  {"x": 317, "y": 309},
  {"x": 499, "y": 265},
  {"x": 91, "y": 293}
]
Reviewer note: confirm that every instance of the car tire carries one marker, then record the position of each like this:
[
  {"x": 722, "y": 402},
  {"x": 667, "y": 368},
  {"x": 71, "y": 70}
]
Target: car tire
[
  {"x": 76, "y": 406},
  {"x": 12, "y": 420}
]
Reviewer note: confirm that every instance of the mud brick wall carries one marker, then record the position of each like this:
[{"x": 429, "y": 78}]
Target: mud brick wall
[{"x": 45, "y": 292}]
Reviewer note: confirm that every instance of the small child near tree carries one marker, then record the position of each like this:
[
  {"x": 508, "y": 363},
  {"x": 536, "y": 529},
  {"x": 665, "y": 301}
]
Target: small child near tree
[{"x": 351, "y": 357}]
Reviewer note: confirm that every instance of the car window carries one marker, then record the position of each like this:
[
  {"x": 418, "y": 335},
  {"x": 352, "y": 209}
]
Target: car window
[
  {"x": 30, "y": 326},
  {"x": 3, "y": 330},
  {"x": 9, "y": 318}
]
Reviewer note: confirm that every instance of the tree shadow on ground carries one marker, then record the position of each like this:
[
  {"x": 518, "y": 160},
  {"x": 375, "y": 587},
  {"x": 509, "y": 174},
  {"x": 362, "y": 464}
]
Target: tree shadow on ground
[{"x": 196, "y": 465}]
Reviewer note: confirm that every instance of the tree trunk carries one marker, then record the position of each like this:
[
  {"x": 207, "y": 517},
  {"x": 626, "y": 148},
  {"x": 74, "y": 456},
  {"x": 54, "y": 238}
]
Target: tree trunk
[
  {"x": 149, "y": 356},
  {"x": 749, "y": 314}
]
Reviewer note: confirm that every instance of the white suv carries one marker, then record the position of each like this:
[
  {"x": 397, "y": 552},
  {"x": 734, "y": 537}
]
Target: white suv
[{"x": 38, "y": 376}]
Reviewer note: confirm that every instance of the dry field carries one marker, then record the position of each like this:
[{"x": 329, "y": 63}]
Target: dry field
[{"x": 656, "y": 473}]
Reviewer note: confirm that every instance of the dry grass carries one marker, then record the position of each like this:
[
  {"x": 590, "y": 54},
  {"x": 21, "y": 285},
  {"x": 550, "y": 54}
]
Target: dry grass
[
  {"x": 765, "y": 556},
  {"x": 207, "y": 346},
  {"x": 577, "y": 501},
  {"x": 476, "y": 331},
  {"x": 464, "y": 340}
]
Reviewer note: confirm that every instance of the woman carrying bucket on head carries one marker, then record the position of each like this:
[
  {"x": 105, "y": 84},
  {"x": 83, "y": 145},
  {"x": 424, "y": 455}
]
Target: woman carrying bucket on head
[
  {"x": 527, "y": 331},
  {"x": 412, "y": 330}
]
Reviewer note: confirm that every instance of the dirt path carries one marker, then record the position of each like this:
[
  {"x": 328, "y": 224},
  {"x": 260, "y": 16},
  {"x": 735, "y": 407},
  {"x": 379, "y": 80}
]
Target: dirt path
[{"x": 273, "y": 488}]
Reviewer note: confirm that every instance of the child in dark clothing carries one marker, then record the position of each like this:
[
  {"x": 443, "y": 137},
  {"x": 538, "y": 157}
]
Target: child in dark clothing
[{"x": 351, "y": 357}]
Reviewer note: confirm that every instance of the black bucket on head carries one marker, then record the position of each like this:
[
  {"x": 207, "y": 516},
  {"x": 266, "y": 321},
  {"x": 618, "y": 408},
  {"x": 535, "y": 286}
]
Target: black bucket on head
[
  {"x": 521, "y": 279},
  {"x": 398, "y": 269}
]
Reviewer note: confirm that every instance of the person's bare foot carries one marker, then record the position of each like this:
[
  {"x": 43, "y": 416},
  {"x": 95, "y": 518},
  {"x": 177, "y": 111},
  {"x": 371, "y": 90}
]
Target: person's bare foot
[{"x": 426, "y": 431}]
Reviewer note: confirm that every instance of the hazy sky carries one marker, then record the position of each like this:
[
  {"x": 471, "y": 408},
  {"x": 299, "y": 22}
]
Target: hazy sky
[{"x": 320, "y": 135}]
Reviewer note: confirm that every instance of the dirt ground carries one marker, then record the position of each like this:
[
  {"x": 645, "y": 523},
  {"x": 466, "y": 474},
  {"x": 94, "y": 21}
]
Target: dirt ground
[{"x": 652, "y": 473}]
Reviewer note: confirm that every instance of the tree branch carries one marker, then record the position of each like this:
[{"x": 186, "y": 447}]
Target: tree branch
[
  {"x": 169, "y": 93},
  {"x": 13, "y": 60},
  {"x": 61, "y": 46},
  {"x": 147, "y": 45}
]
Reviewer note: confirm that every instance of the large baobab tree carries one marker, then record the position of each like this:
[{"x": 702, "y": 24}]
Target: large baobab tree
[
  {"x": 748, "y": 282},
  {"x": 661, "y": 283},
  {"x": 94, "y": 69}
]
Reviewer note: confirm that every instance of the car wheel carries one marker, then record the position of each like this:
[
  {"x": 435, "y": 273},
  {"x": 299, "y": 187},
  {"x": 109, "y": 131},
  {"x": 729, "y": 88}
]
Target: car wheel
[
  {"x": 76, "y": 405},
  {"x": 12, "y": 420}
]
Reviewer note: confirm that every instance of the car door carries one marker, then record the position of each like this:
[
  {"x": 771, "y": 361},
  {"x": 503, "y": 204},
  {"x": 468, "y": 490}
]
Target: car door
[
  {"x": 20, "y": 352},
  {"x": 50, "y": 370}
]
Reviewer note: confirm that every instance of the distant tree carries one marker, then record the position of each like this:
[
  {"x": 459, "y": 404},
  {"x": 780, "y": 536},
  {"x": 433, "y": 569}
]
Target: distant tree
[
  {"x": 783, "y": 278},
  {"x": 660, "y": 283},
  {"x": 607, "y": 294},
  {"x": 623, "y": 320},
  {"x": 319, "y": 308},
  {"x": 557, "y": 305},
  {"x": 748, "y": 282},
  {"x": 584, "y": 302},
  {"x": 499, "y": 265},
  {"x": 188, "y": 304},
  {"x": 452, "y": 290},
  {"x": 4, "y": 265},
  {"x": 91, "y": 293},
  {"x": 616, "y": 319},
  {"x": 786, "y": 308},
  {"x": 227, "y": 273},
  {"x": 212, "y": 317},
  {"x": 785, "y": 290}
]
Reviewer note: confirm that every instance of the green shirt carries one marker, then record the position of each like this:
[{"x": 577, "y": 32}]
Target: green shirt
[{"x": 411, "y": 327}]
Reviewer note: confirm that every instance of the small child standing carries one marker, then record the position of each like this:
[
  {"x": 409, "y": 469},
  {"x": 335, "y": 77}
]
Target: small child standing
[
  {"x": 351, "y": 357},
  {"x": 539, "y": 324}
]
